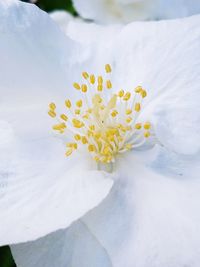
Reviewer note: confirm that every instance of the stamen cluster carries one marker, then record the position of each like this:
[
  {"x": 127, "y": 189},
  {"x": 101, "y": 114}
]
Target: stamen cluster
[{"x": 107, "y": 124}]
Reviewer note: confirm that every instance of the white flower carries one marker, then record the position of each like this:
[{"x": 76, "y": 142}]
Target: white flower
[
  {"x": 151, "y": 216},
  {"x": 63, "y": 18},
  {"x": 123, "y": 11},
  {"x": 34, "y": 194}
]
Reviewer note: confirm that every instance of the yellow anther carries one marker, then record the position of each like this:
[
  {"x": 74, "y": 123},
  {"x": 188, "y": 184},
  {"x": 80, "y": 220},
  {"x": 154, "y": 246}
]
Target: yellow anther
[
  {"x": 77, "y": 123},
  {"x": 108, "y": 68},
  {"x": 97, "y": 135},
  {"x": 77, "y": 111},
  {"x": 64, "y": 117},
  {"x": 84, "y": 88},
  {"x": 137, "y": 107},
  {"x": 138, "y": 126},
  {"x": 59, "y": 127},
  {"x": 84, "y": 140},
  {"x": 52, "y": 106},
  {"x": 147, "y": 125},
  {"x": 68, "y": 103},
  {"x": 92, "y": 79},
  {"x": 72, "y": 145},
  {"x": 75, "y": 146},
  {"x": 77, "y": 137},
  {"x": 138, "y": 89},
  {"x": 128, "y": 111},
  {"x": 129, "y": 119},
  {"x": 69, "y": 152},
  {"x": 77, "y": 86},
  {"x": 79, "y": 103},
  {"x": 85, "y": 75},
  {"x": 143, "y": 93},
  {"x": 98, "y": 129},
  {"x": 92, "y": 127},
  {"x": 106, "y": 150},
  {"x": 96, "y": 159},
  {"x": 108, "y": 84},
  {"x": 121, "y": 93},
  {"x": 127, "y": 96},
  {"x": 100, "y": 80},
  {"x": 91, "y": 148},
  {"x": 86, "y": 116},
  {"x": 52, "y": 113},
  {"x": 100, "y": 87},
  {"x": 114, "y": 113},
  {"x": 146, "y": 134}
]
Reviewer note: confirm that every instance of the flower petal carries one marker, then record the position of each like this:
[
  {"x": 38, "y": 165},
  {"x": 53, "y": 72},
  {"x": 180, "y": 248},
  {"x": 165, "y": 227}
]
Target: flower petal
[
  {"x": 124, "y": 11},
  {"x": 62, "y": 18},
  {"x": 150, "y": 218},
  {"x": 162, "y": 57},
  {"x": 41, "y": 194},
  {"x": 115, "y": 11},
  {"x": 75, "y": 247},
  {"x": 38, "y": 185}
]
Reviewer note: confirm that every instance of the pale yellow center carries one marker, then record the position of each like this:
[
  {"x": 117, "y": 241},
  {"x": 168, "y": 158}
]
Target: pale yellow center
[{"x": 105, "y": 122}]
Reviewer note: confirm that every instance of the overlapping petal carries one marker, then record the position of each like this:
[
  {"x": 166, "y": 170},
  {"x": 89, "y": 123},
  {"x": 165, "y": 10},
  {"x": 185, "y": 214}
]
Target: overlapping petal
[
  {"x": 162, "y": 57},
  {"x": 124, "y": 11},
  {"x": 73, "y": 247},
  {"x": 40, "y": 190},
  {"x": 150, "y": 218}
]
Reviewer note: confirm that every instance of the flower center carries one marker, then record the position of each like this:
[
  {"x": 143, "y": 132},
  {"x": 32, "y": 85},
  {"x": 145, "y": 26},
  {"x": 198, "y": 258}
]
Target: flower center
[{"x": 104, "y": 122}]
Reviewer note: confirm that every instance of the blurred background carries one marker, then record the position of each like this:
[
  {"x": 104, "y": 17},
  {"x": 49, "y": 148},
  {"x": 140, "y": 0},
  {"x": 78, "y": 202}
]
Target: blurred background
[{"x": 6, "y": 259}]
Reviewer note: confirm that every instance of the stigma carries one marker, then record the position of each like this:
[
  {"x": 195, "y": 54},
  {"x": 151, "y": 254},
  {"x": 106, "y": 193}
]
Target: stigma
[{"x": 103, "y": 120}]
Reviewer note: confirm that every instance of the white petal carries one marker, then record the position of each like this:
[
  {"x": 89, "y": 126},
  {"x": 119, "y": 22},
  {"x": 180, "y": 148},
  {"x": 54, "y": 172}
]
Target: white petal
[
  {"x": 73, "y": 247},
  {"x": 150, "y": 219},
  {"x": 62, "y": 18},
  {"x": 123, "y": 11},
  {"x": 87, "y": 33},
  {"x": 40, "y": 190},
  {"x": 162, "y": 57},
  {"x": 115, "y": 11},
  {"x": 177, "y": 8}
]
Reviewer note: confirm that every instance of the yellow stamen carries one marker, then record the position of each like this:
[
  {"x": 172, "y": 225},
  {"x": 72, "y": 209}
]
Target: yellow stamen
[
  {"x": 138, "y": 126},
  {"x": 64, "y": 117},
  {"x": 52, "y": 113},
  {"x": 79, "y": 103},
  {"x": 92, "y": 79},
  {"x": 137, "y": 107},
  {"x": 68, "y": 103},
  {"x": 84, "y": 88},
  {"x": 85, "y": 75},
  {"x": 108, "y": 84},
  {"x": 108, "y": 68},
  {"x": 52, "y": 106},
  {"x": 77, "y": 86},
  {"x": 77, "y": 123},
  {"x": 106, "y": 126},
  {"x": 128, "y": 111},
  {"x": 100, "y": 80},
  {"x": 127, "y": 96},
  {"x": 147, "y": 125}
]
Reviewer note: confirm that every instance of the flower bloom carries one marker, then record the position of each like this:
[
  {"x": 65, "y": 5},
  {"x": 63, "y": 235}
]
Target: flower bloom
[
  {"x": 142, "y": 211},
  {"x": 123, "y": 11}
]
